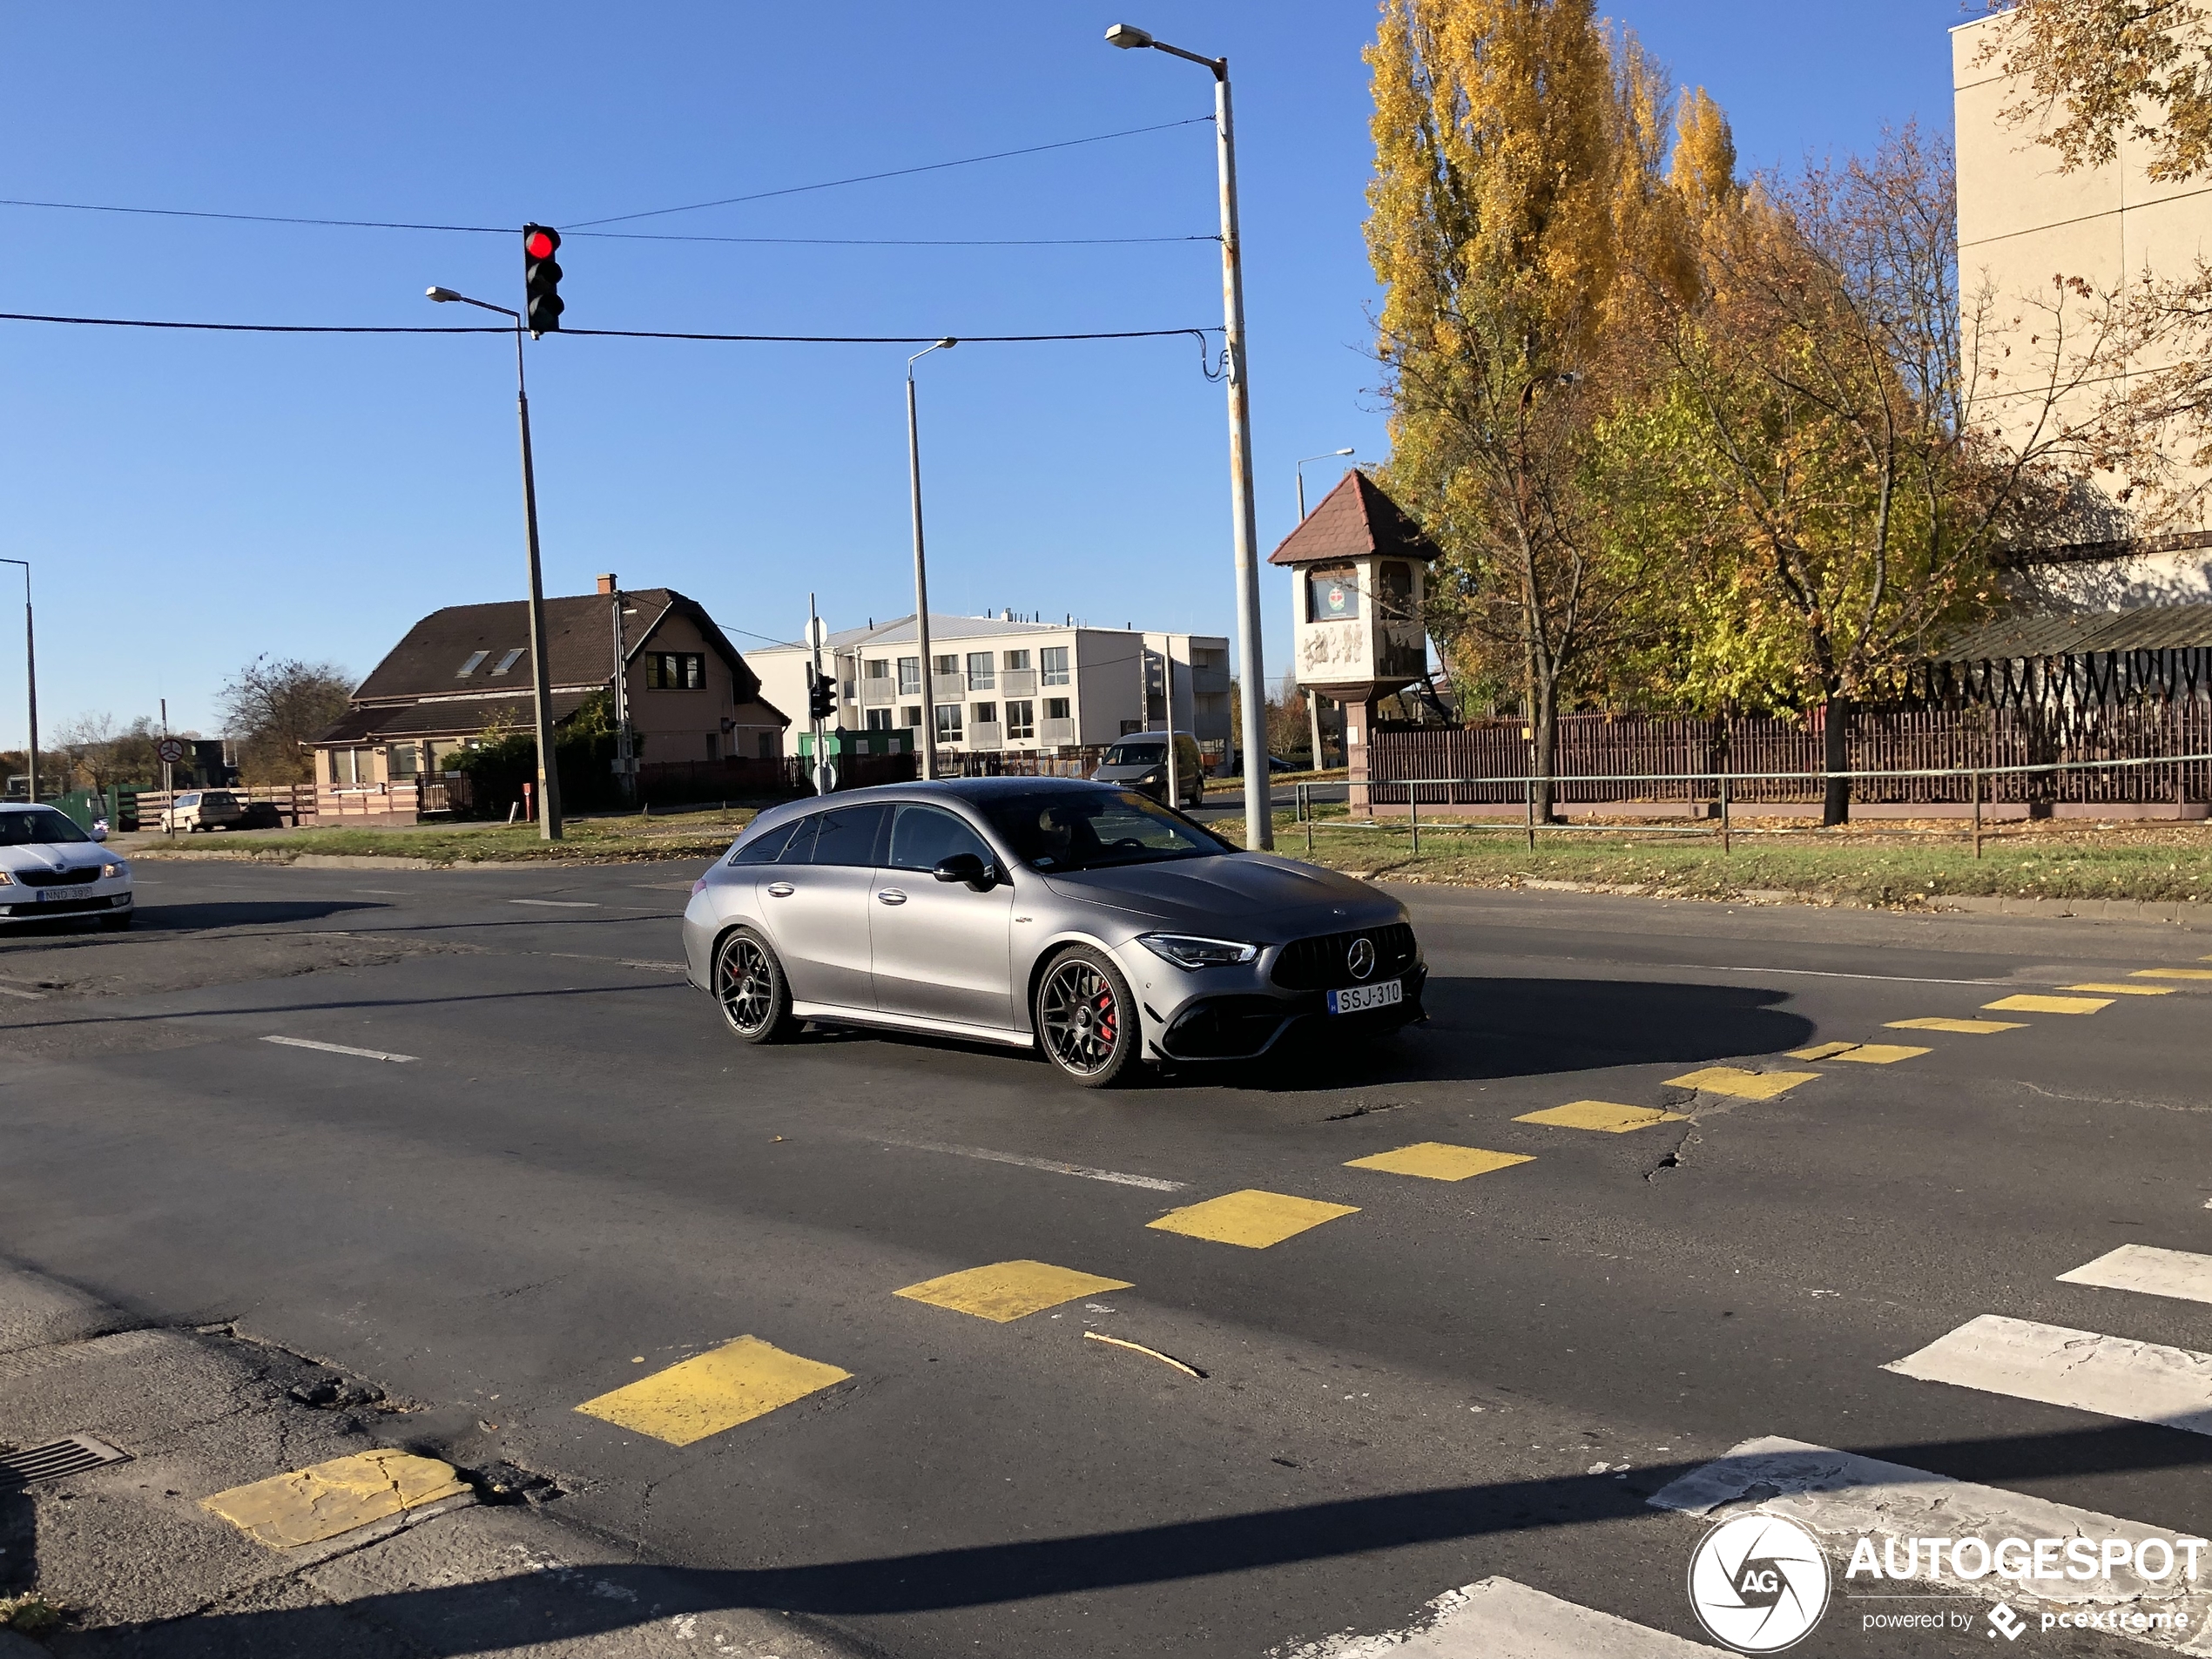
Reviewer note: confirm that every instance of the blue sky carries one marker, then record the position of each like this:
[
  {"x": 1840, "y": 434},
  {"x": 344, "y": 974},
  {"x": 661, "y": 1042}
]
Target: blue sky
[{"x": 193, "y": 500}]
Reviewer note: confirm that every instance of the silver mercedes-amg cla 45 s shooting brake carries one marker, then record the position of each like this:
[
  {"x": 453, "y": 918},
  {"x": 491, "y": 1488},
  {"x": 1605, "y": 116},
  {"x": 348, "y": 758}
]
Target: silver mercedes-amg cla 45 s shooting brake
[{"x": 1086, "y": 921}]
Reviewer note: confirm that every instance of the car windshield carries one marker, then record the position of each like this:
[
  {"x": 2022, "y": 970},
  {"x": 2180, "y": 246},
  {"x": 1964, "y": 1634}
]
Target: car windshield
[
  {"x": 1136, "y": 754},
  {"x": 41, "y": 829},
  {"x": 1090, "y": 830}
]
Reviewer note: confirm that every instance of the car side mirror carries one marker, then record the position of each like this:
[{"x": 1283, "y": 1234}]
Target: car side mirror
[
  {"x": 100, "y": 831},
  {"x": 966, "y": 866}
]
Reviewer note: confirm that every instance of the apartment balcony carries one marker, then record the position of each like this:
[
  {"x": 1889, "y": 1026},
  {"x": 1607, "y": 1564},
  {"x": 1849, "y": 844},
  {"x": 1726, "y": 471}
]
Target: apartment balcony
[
  {"x": 877, "y": 694},
  {"x": 1056, "y": 733},
  {"x": 1209, "y": 682},
  {"x": 986, "y": 735},
  {"x": 948, "y": 688},
  {"x": 1019, "y": 682}
]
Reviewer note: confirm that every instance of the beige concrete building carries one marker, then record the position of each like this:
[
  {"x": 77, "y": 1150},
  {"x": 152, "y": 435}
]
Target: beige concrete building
[{"x": 2022, "y": 222}]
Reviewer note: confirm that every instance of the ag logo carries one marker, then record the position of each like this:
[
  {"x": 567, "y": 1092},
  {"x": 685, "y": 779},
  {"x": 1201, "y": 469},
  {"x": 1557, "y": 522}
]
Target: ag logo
[
  {"x": 1360, "y": 959},
  {"x": 1758, "y": 1583}
]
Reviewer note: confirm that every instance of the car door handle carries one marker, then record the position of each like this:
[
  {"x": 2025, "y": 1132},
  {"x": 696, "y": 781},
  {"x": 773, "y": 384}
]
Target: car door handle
[
  {"x": 780, "y": 889},
  {"x": 890, "y": 895}
]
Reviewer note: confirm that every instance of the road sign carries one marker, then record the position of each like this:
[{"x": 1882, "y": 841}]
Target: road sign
[
  {"x": 817, "y": 632},
  {"x": 172, "y": 752}
]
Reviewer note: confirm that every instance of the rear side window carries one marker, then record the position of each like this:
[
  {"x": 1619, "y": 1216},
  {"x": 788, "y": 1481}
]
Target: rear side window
[
  {"x": 763, "y": 848},
  {"x": 846, "y": 835},
  {"x": 923, "y": 837}
]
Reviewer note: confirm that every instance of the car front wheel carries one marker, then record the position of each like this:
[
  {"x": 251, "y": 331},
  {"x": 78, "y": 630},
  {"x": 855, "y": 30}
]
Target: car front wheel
[
  {"x": 1086, "y": 1019},
  {"x": 750, "y": 985}
]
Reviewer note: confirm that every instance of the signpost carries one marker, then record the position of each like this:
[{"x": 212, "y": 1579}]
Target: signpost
[
  {"x": 170, "y": 751},
  {"x": 817, "y": 637}
]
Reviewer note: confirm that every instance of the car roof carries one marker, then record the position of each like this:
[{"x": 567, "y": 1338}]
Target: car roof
[{"x": 973, "y": 789}]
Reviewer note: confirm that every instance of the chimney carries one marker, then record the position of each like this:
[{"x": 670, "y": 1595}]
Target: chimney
[{"x": 607, "y": 582}]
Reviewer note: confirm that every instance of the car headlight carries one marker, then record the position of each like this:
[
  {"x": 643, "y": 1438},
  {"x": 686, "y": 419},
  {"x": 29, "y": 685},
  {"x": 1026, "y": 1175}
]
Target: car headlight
[
  {"x": 109, "y": 871},
  {"x": 6, "y": 880},
  {"x": 1188, "y": 950}
]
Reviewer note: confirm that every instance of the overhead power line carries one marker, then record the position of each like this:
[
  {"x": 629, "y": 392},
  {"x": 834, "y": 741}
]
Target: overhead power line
[
  {"x": 253, "y": 327},
  {"x": 265, "y": 218},
  {"x": 904, "y": 241},
  {"x": 604, "y": 334}
]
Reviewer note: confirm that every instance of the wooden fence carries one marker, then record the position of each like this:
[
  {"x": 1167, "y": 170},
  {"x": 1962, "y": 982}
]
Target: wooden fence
[{"x": 1645, "y": 756}]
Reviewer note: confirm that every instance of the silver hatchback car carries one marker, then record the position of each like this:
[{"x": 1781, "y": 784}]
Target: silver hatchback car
[{"x": 1086, "y": 921}]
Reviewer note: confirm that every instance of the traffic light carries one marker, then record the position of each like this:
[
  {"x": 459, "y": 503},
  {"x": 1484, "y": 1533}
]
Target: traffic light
[
  {"x": 542, "y": 278},
  {"x": 822, "y": 696}
]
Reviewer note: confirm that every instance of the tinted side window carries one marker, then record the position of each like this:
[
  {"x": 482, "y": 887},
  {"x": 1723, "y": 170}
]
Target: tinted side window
[
  {"x": 846, "y": 835},
  {"x": 922, "y": 837},
  {"x": 763, "y": 848}
]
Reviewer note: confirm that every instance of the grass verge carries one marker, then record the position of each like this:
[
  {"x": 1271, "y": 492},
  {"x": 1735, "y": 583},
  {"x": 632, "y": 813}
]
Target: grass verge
[{"x": 677, "y": 835}]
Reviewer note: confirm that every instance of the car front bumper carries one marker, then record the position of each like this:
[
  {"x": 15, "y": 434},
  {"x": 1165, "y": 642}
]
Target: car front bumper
[
  {"x": 20, "y": 903},
  {"x": 1220, "y": 1013}
]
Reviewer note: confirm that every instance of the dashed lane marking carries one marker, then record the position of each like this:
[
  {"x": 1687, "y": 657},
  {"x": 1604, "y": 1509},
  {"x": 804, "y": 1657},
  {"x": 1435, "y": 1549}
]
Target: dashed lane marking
[
  {"x": 1965, "y": 1028},
  {"x": 2172, "y": 973},
  {"x": 339, "y": 1048},
  {"x": 558, "y": 904},
  {"x": 1439, "y": 1160},
  {"x": 2124, "y": 990},
  {"x": 1500, "y": 1618},
  {"x": 1251, "y": 1219},
  {"x": 2049, "y": 1004},
  {"x": 714, "y": 1391},
  {"x": 1607, "y": 1117},
  {"x": 2142, "y": 1382},
  {"x": 309, "y": 1504},
  {"x": 1881, "y": 1053},
  {"x": 1739, "y": 1084},
  {"x": 28, "y": 997},
  {"x": 1005, "y": 1292},
  {"x": 2153, "y": 1271},
  {"x": 1051, "y": 1166}
]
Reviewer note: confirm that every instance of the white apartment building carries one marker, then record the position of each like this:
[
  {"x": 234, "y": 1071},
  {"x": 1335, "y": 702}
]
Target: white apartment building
[{"x": 1000, "y": 686}]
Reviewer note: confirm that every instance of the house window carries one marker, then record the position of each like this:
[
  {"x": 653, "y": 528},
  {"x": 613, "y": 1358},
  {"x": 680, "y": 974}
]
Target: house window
[
  {"x": 879, "y": 720},
  {"x": 949, "y": 664},
  {"x": 877, "y": 668},
  {"x": 469, "y": 667},
  {"x": 675, "y": 670},
  {"x": 1395, "y": 601},
  {"x": 714, "y": 746},
  {"x": 508, "y": 661},
  {"x": 948, "y": 723},
  {"x": 767, "y": 745},
  {"x": 1055, "y": 660},
  {"x": 1332, "y": 594},
  {"x": 402, "y": 759},
  {"x": 1056, "y": 708},
  {"x": 980, "y": 671},
  {"x": 1016, "y": 661},
  {"x": 910, "y": 716},
  {"x": 1021, "y": 718},
  {"x": 910, "y": 678},
  {"x": 987, "y": 714}
]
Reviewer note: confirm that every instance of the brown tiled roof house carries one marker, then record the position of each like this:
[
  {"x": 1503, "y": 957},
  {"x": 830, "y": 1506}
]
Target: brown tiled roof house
[{"x": 466, "y": 669}]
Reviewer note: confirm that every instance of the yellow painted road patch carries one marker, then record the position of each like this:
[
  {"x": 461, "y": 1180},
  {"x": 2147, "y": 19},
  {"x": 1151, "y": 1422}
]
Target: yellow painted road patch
[
  {"x": 1969, "y": 1027},
  {"x": 2172, "y": 973},
  {"x": 1252, "y": 1218},
  {"x": 2049, "y": 1004},
  {"x": 2126, "y": 990},
  {"x": 1604, "y": 1115},
  {"x": 711, "y": 1392},
  {"x": 1823, "y": 1051},
  {"x": 1439, "y": 1160},
  {"x": 309, "y": 1504},
  {"x": 1882, "y": 1054},
  {"x": 1743, "y": 1085},
  {"x": 1005, "y": 1292}
]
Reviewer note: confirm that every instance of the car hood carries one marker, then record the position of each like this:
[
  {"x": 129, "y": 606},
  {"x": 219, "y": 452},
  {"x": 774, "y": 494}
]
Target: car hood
[
  {"x": 1294, "y": 899},
  {"x": 63, "y": 855}
]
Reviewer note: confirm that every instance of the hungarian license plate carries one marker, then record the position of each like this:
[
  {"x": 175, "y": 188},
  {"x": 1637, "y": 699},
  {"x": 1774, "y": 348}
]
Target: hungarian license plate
[{"x": 1360, "y": 998}]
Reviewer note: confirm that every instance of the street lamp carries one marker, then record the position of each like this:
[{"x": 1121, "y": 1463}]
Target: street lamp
[
  {"x": 30, "y": 674},
  {"x": 1301, "y": 478},
  {"x": 548, "y": 773},
  {"x": 922, "y": 573},
  {"x": 1259, "y": 823}
]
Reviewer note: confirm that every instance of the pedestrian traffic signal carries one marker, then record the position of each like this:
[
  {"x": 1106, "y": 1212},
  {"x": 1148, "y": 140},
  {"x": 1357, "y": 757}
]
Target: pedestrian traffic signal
[
  {"x": 821, "y": 695},
  {"x": 542, "y": 278}
]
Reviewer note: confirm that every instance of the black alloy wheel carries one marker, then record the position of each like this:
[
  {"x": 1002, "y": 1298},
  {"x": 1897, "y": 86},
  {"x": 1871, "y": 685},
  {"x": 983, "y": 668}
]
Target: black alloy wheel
[
  {"x": 1086, "y": 1019},
  {"x": 750, "y": 986}
]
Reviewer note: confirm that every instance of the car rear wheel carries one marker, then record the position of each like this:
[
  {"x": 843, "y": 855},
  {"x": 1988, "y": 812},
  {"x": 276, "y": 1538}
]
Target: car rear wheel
[
  {"x": 749, "y": 985},
  {"x": 1085, "y": 1018}
]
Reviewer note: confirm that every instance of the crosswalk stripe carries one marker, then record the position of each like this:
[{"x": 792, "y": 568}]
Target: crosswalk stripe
[
  {"x": 1826, "y": 1051},
  {"x": 1965, "y": 1027},
  {"x": 2172, "y": 973},
  {"x": 1250, "y": 1218},
  {"x": 2125, "y": 990},
  {"x": 1499, "y": 1618},
  {"x": 1842, "y": 1497},
  {"x": 2049, "y": 1004},
  {"x": 1607, "y": 1117},
  {"x": 2146, "y": 1268},
  {"x": 1005, "y": 1292},
  {"x": 1740, "y": 1084},
  {"x": 713, "y": 1390},
  {"x": 2143, "y": 1382},
  {"x": 1865, "y": 1054},
  {"x": 1439, "y": 1161}
]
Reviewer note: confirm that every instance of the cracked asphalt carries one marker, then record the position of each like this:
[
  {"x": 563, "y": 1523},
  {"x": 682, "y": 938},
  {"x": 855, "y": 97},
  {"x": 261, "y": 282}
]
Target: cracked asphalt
[{"x": 579, "y": 1180}]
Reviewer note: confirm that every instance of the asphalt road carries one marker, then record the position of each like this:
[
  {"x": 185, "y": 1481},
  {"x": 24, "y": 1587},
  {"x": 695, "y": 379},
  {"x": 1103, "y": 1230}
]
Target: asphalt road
[{"x": 579, "y": 1180}]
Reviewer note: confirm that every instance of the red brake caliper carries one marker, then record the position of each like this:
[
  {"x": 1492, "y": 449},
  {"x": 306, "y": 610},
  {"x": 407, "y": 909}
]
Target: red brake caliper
[{"x": 1105, "y": 1022}]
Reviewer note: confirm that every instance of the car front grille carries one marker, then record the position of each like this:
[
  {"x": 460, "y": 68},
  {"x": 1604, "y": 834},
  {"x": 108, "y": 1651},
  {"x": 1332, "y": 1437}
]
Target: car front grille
[
  {"x": 58, "y": 878},
  {"x": 1319, "y": 964}
]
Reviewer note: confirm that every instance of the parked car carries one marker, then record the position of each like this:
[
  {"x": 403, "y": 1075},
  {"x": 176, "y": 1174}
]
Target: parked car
[
  {"x": 50, "y": 868},
  {"x": 1080, "y": 919},
  {"x": 1140, "y": 762},
  {"x": 202, "y": 809}
]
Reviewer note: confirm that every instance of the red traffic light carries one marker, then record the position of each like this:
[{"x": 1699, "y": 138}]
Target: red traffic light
[{"x": 539, "y": 244}]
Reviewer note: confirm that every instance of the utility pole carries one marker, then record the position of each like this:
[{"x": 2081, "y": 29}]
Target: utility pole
[
  {"x": 1167, "y": 675},
  {"x": 30, "y": 677},
  {"x": 921, "y": 572},
  {"x": 625, "y": 754}
]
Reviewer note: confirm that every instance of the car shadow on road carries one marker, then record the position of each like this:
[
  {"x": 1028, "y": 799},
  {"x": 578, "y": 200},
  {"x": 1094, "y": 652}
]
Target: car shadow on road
[{"x": 186, "y": 918}]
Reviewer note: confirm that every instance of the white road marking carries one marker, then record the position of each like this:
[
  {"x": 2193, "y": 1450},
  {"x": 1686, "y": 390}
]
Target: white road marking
[
  {"x": 1050, "y": 1166},
  {"x": 558, "y": 904},
  {"x": 383, "y": 893},
  {"x": 28, "y": 997},
  {"x": 1841, "y": 1497},
  {"x": 1497, "y": 1618},
  {"x": 338, "y": 1048},
  {"x": 2114, "y": 1376},
  {"x": 658, "y": 967},
  {"x": 2153, "y": 1271},
  {"x": 1818, "y": 973}
]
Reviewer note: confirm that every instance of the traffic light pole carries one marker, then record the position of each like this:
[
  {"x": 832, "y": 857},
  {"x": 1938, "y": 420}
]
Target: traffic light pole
[
  {"x": 30, "y": 678},
  {"x": 813, "y": 696},
  {"x": 548, "y": 770}
]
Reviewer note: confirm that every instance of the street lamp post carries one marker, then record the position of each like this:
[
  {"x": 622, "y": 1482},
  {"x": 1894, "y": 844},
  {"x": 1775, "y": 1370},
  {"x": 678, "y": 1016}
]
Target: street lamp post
[
  {"x": 548, "y": 773},
  {"x": 1259, "y": 822},
  {"x": 1300, "y": 470},
  {"x": 1313, "y": 696},
  {"x": 922, "y": 572},
  {"x": 30, "y": 677}
]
